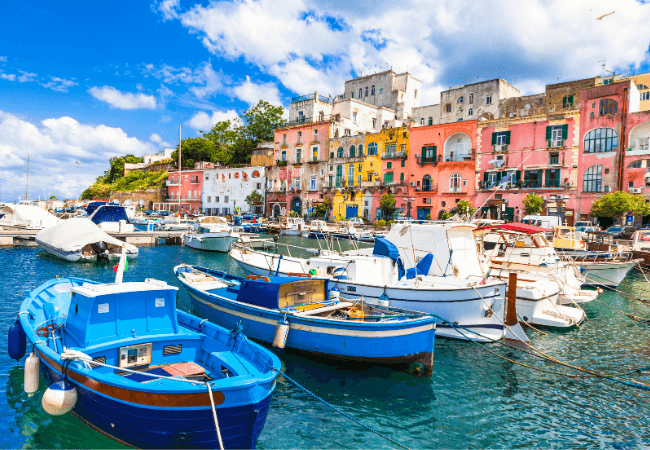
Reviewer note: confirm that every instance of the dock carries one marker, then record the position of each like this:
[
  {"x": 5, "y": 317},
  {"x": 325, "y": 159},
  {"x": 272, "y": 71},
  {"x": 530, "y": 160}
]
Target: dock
[{"x": 19, "y": 237}]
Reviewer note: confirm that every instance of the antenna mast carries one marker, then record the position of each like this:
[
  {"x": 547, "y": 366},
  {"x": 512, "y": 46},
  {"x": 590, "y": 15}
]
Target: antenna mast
[
  {"x": 27, "y": 185},
  {"x": 179, "y": 173}
]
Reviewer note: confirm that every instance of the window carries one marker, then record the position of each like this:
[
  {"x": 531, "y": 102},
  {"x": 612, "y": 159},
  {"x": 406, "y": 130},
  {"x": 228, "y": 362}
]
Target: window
[
  {"x": 402, "y": 149},
  {"x": 454, "y": 182},
  {"x": 556, "y": 135},
  {"x": 366, "y": 91},
  {"x": 360, "y": 93},
  {"x": 216, "y": 199},
  {"x": 316, "y": 134},
  {"x": 298, "y": 155},
  {"x": 299, "y": 135},
  {"x": 600, "y": 140},
  {"x": 352, "y": 151},
  {"x": 426, "y": 183},
  {"x": 470, "y": 112},
  {"x": 359, "y": 167},
  {"x": 374, "y": 122},
  {"x": 284, "y": 155},
  {"x": 430, "y": 120},
  {"x": 339, "y": 175},
  {"x": 500, "y": 140},
  {"x": 554, "y": 158},
  {"x": 391, "y": 149},
  {"x": 470, "y": 100},
  {"x": 312, "y": 183},
  {"x": 642, "y": 87},
  {"x": 226, "y": 199},
  {"x": 388, "y": 177},
  {"x": 401, "y": 176},
  {"x": 259, "y": 186},
  {"x": 636, "y": 164},
  {"x": 207, "y": 177},
  {"x": 553, "y": 177},
  {"x": 314, "y": 153},
  {"x": 372, "y": 149},
  {"x": 186, "y": 178},
  {"x": 284, "y": 137},
  {"x": 567, "y": 101},
  {"x": 352, "y": 95},
  {"x": 347, "y": 132},
  {"x": 488, "y": 100},
  {"x": 372, "y": 90},
  {"x": 354, "y": 117},
  {"x": 608, "y": 107},
  {"x": 448, "y": 107},
  {"x": 301, "y": 117},
  {"x": 209, "y": 199},
  {"x": 360, "y": 150},
  {"x": 415, "y": 93},
  {"x": 592, "y": 180},
  {"x": 645, "y": 95},
  {"x": 389, "y": 165},
  {"x": 533, "y": 178},
  {"x": 460, "y": 99},
  {"x": 381, "y": 90},
  {"x": 429, "y": 154},
  {"x": 422, "y": 121},
  {"x": 339, "y": 152}
]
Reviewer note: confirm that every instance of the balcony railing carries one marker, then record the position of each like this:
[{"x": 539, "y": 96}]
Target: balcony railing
[
  {"x": 422, "y": 160},
  {"x": 500, "y": 148},
  {"x": 172, "y": 183},
  {"x": 303, "y": 121},
  {"x": 298, "y": 161},
  {"x": 321, "y": 98},
  {"x": 281, "y": 163},
  {"x": 392, "y": 155},
  {"x": 556, "y": 143}
]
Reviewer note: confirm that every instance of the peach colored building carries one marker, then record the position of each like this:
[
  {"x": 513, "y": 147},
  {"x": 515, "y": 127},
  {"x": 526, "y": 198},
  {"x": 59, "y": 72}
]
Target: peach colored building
[{"x": 441, "y": 168}]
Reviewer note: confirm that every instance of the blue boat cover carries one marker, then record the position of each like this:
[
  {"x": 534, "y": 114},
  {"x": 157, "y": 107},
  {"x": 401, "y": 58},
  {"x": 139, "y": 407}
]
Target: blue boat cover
[
  {"x": 109, "y": 213},
  {"x": 266, "y": 294},
  {"x": 422, "y": 267},
  {"x": 384, "y": 247},
  {"x": 92, "y": 207}
]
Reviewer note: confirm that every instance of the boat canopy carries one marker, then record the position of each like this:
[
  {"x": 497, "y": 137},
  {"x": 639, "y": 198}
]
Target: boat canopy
[
  {"x": 74, "y": 234},
  {"x": 109, "y": 213},
  {"x": 384, "y": 247},
  {"x": 28, "y": 216},
  {"x": 282, "y": 292},
  {"x": 516, "y": 227},
  {"x": 92, "y": 207}
]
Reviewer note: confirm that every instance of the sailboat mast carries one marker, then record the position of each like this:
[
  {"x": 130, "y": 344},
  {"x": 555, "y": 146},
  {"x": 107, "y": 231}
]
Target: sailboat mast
[
  {"x": 27, "y": 185},
  {"x": 179, "y": 172}
]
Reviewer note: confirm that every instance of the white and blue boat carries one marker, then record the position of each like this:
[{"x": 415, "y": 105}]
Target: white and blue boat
[
  {"x": 122, "y": 358},
  {"x": 301, "y": 313}
]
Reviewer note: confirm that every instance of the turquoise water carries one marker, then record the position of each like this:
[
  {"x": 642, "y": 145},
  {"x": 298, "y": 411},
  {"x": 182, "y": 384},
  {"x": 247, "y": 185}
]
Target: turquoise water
[{"x": 473, "y": 399}]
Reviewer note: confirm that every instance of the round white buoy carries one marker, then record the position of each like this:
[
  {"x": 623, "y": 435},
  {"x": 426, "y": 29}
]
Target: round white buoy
[
  {"x": 32, "y": 375},
  {"x": 59, "y": 398},
  {"x": 281, "y": 334}
]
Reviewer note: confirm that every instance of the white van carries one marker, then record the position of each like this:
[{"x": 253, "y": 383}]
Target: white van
[{"x": 542, "y": 221}]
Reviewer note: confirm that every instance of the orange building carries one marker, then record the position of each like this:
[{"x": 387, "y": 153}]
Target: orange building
[{"x": 441, "y": 166}]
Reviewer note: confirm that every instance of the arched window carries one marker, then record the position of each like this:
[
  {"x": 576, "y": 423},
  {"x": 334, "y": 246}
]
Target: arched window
[
  {"x": 636, "y": 164},
  {"x": 642, "y": 87},
  {"x": 430, "y": 120},
  {"x": 360, "y": 93},
  {"x": 592, "y": 181},
  {"x": 422, "y": 121},
  {"x": 256, "y": 174},
  {"x": 470, "y": 112},
  {"x": 601, "y": 140},
  {"x": 426, "y": 183},
  {"x": 360, "y": 150},
  {"x": 339, "y": 152},
  {"x": 460, "y": 99},
  {"x": 366, "y": 91},
  {"x": 372, "y": 149},
  {"x": 608, "y": 107},
  {"x": 352, "y": 151},
  {"x": 454, "y": 182},
  {"x": 372, "y": 90}
]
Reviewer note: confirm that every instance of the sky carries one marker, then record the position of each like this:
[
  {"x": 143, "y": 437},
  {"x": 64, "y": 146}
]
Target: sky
[{"x": 82, "y": 81}]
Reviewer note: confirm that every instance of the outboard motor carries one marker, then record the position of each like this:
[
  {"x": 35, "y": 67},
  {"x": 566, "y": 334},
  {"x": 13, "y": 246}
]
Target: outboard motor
[{"x": 101, "y": 249}]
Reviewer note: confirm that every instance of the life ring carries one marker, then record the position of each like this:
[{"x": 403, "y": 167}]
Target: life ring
[
  {"x": 46, "y": 330},
  {"x": 257, "y": 277},
  {"x": 298, "y": 274},
  {"x": 583, "y": 245}
]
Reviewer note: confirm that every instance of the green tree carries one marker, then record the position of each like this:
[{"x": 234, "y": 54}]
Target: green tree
[
  {"x": 387, "y": 206},
  {"x": 533, "y": 204},
  {"x": 619, "y": 203},
  {"x": 53, "y": 197},
  {"x": 254, "y": 199},
  {"x": 195, "y": 149},
  {"x": 443, "y": 215},
  {"x": 465, "y": 207},
  {"x": 323, "y": 209}
]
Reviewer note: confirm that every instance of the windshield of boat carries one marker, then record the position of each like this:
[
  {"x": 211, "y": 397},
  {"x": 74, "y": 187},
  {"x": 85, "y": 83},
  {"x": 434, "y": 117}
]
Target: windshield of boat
[
  {"x": 615, "y": 229},
  {"x": 564, "y": 233}
]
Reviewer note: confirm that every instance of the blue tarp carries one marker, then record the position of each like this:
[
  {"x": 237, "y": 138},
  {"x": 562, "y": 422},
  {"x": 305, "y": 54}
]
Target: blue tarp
[
  {"x": 422, "y": 268},
  {"x": 109, "y": 213},
  {"x": 384, "y": 247},
  {"x": 266, "y": 294}
]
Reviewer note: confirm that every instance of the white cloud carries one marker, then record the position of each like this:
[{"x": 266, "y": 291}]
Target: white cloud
[
  {"x": 53, "y": 146},
  {"x": 203, "y": 80},
  {"x": 26, "y": 76},
  {"x": 59, "y": 84},
  {"x": 123, "y": 100},
  {"x": 204, "y": 121},
  {"x": 252, "y": 93},
  {"x": 168, "y": 9},
  {"x": 8, "y": 76},
  {"x": 3, "y": 59},
  {"x": 156, "y": 139}
]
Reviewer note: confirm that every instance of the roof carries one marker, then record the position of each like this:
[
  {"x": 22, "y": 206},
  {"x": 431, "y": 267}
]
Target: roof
[{"x": 517, "y": 227}]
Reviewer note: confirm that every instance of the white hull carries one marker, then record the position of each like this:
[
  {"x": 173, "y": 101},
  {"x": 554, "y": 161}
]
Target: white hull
[
  {"x": 79, "y": 256},
  {"x": 291, "y": 232},
  {"x": 214, "y": 242},
  {"x": 466, "y": 306},
  {"x": 609, "y": 274}
]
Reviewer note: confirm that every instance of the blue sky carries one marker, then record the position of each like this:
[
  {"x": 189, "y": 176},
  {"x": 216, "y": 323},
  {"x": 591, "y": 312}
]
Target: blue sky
[{"x": 86, "y": 80}]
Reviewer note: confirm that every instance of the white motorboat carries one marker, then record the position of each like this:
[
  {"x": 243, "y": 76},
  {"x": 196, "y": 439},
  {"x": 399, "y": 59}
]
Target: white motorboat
[
  {"x": 317, "y": 229},
  {"x": 175, "y": 225},
  {"x": 292, "y": 226},
  {"x": 213, "y": 234},
  {"x": 26, "y": 216},
  {"x": 79, "y": 238},
  {"x": 112, "y": 218},
  {"x": 524, "y": 249},
  {"x": 444, "y": 276}
]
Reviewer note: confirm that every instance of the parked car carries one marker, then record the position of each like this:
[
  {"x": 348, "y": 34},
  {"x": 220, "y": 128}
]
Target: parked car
[
  {"x": 583, "y": 223},
  {"x": 620, "y": 232},
  {"x": 356, "y": 221}
]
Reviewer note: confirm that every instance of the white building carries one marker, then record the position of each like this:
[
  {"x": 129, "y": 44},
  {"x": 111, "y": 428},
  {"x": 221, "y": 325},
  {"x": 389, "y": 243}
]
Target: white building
[
  {"x": 165, "y": 153},
  {"x": 225, "y": 189}
]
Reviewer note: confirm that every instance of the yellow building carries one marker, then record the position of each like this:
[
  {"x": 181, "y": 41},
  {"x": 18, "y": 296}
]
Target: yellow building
[{"x": 642, "y": 81}]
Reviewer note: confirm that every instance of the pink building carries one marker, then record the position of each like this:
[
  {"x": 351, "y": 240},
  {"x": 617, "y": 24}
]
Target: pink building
[
  {"x": 191, "y": 187},
  {"x": 532, "y": 154},
  {"x": 441, "y": 167}
]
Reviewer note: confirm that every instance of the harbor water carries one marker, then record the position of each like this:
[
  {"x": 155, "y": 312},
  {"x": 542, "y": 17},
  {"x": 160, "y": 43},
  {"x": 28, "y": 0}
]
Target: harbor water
[{"x": 473, "y": 400}]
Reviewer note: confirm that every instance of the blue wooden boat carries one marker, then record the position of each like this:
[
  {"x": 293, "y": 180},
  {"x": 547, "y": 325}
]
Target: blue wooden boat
[
  {"x": 136, "y": 369},
  {"x": 300, "y": 312}
]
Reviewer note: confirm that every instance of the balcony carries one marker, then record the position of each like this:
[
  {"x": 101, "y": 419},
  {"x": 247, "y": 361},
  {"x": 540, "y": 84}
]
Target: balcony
[
  {"x": 303, "y": 121},
  {"x": 321, "y": 98},
  {"x": 370, "y": 184},
  {"x": 393, "y": 155},
  {"x": 172, "y": 183},
  {"x": 500, "y": 148},
  {"x": 281, "y": 163},
  {"x": 556, "y": 143},
  {"x": 455, "y": 191},
  {"x": 422, "y": 161},
  {"x": 298, "y": 161},
  {"x": 313, "y": 161},
  {"x": 194, "y": 180}
]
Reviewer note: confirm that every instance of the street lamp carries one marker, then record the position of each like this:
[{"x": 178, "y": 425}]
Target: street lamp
[{"x": 77, "y": 163}]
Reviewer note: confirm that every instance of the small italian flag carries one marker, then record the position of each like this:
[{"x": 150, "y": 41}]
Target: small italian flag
[{"x": 126, "y": 265}]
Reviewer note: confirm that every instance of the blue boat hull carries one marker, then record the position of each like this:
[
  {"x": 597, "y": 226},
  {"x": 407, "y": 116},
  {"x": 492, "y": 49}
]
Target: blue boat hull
[
  {"x": 382, "y": 342},
  {"x": 170, "y": 427}
]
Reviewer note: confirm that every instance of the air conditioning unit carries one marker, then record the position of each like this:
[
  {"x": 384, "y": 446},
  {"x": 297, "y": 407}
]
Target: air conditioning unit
[
  {"x": 417, "y": 155},
  {"x": 637, "y": 190},
  {"x": 418, "y": 188},
  {"x": 500, "y": 148},
  {"x": 569, "y": 184},
  {"x": 375, "y": 174},
  {"x": 557, "y": 143},
  {"x": 552, "y": 197},
  {"x": 505, "y": 200},
  {"x": 543, "y": 197},
  {"x": 413, "y": 183}
]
